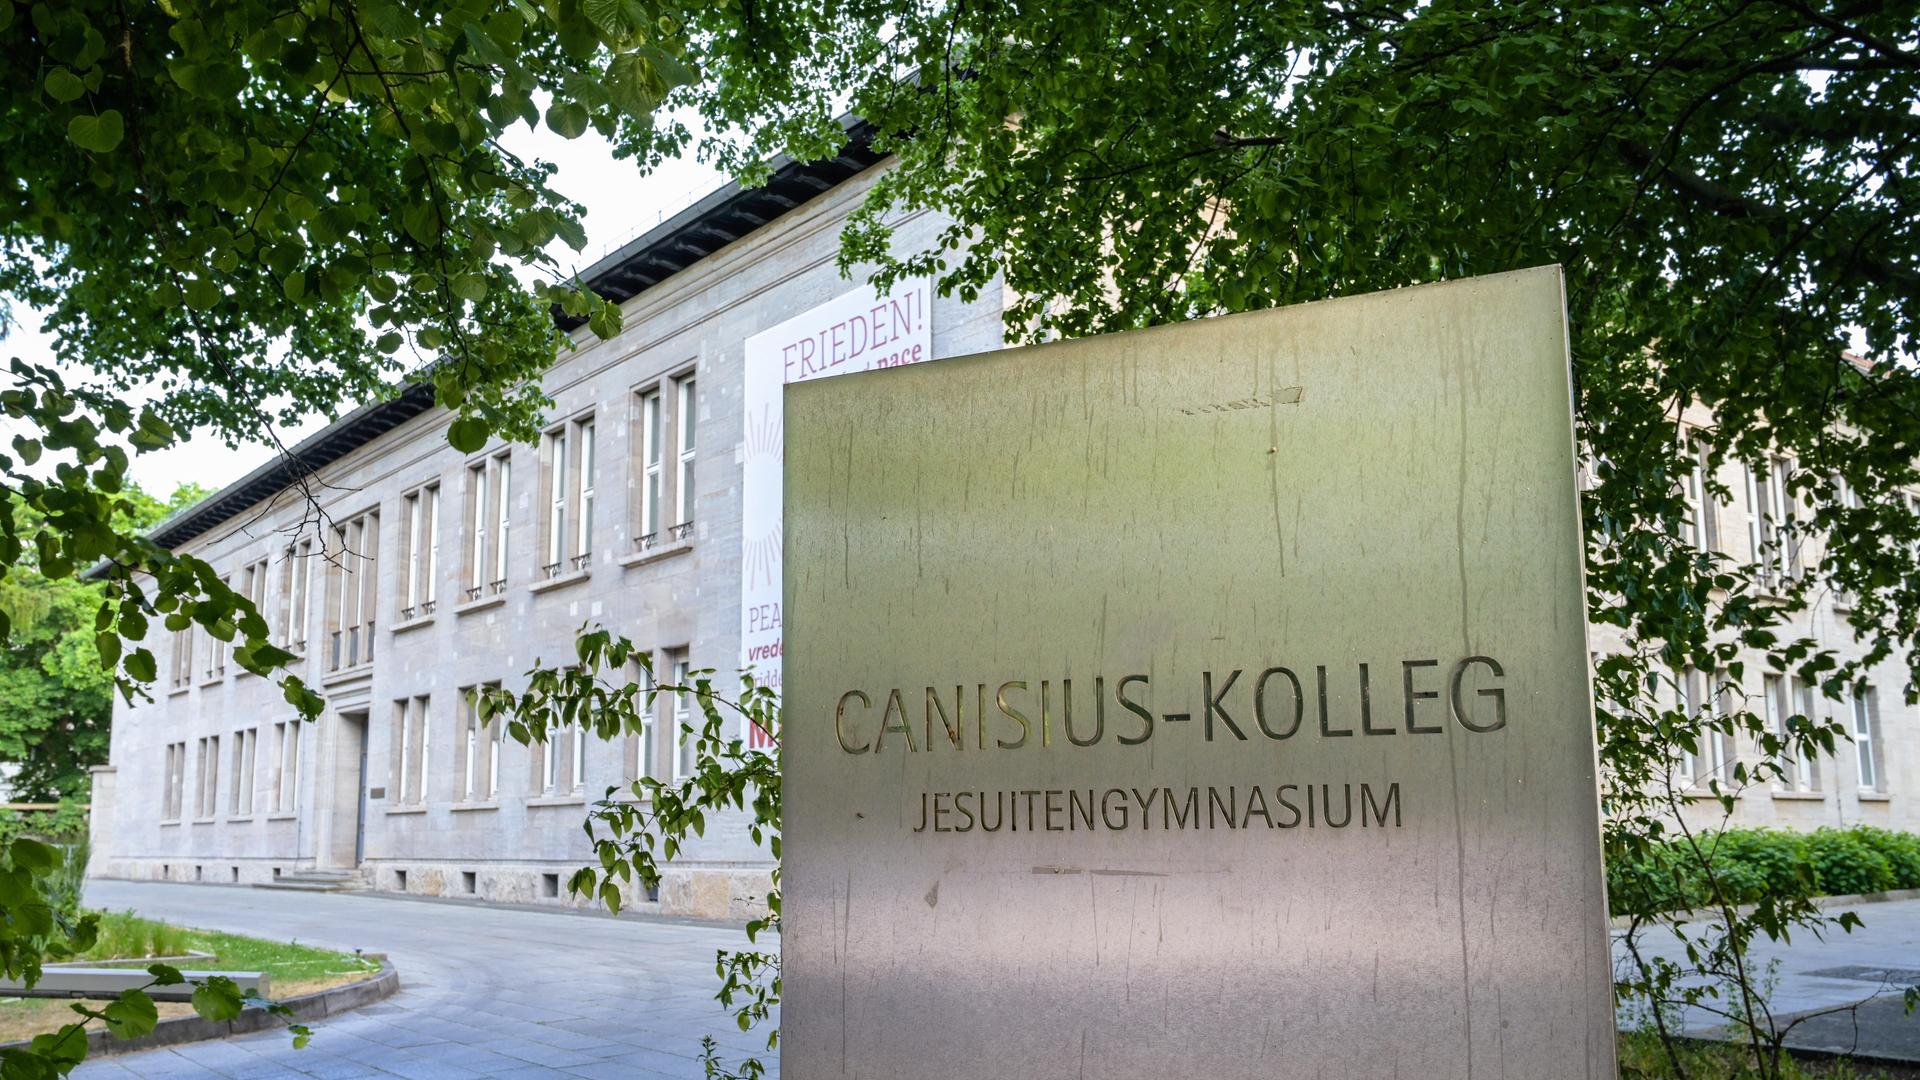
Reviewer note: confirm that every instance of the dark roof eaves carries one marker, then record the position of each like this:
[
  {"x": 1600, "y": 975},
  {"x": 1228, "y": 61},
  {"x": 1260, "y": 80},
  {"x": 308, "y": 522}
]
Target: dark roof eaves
[{"x": 700, "y": 230}]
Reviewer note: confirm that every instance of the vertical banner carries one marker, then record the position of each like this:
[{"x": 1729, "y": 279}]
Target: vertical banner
[{"x": 856, "y": 331}]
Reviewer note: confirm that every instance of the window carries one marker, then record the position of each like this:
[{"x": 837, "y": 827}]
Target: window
[
  {"x": 354, "y": 577},
  {"x": 583, "y": 540},
  {"x": 684, "y": 718},
  {"x": 1866, "y": 737},
  {"x": 183, "y": 657},
  {"x": 240, "y": 801},
  {"x": 1701, "y": 529},
  {"x": 549, "y": 750},
  {"x": 567, "y": 480},
  {"x": 217, "y": 650},
  {"x": 577, "y": 771},
  {"x": 420, "y": 518},
  {"x": 286, "y": 766},
  {"x": 206, "y": 787},
  {"x": 1699, "y": 699},
  {"x": 478, "y": 749},
  {"x": 556, "y": 484},
  {"x": 172, "y": 796},
  {"x": 412, "y": 734},
  {"x": 683, "y": 479},
  {"x": 651, "y": 485},
  {"x": 640, "y": 756},
  {"x": 489, "y": 501},
  {"x": 1787, "y": 698},
  {"x": 1770, "y": 531},
  {"x": 256, "y": 586},
  {"x": 297, "y": 586},
  {"x": 665, "y": 418}
]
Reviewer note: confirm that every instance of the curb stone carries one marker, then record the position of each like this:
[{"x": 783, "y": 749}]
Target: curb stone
[
  {"x": 1622, "y": 922},
  {"x": 185, "y": 1029}
]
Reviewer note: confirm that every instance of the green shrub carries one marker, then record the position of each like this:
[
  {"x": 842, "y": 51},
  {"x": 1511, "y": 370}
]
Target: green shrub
[
  {"x": 1752, "y": 864},
  {"x": 1901, "y": 850},
  {"x": 1844, "y": 863},
  {"x": 1755, "y": 864}
]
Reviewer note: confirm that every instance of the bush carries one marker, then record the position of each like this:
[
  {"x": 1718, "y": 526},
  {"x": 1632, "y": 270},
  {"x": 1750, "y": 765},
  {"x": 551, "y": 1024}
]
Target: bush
[
  {"x": 1844, "y": 863},
  {"x": 1755, "y": 864},
  {"x": 1901, "y": 850}
]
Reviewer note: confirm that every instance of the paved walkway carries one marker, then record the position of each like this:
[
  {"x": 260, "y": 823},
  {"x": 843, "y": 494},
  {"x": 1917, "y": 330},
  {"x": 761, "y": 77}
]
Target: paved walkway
[
  {"x": 1813, "y": 976},
  {"x": 485, "y": 992},
  {"x": 510, "y": 993}
]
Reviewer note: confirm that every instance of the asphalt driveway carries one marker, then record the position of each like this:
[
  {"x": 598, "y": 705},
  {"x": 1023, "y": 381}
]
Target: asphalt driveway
[{"x": 485, "y": 991}]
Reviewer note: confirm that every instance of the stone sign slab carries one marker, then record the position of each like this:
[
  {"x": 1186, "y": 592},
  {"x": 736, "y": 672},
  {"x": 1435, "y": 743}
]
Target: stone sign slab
[{"x": 1209, "y": 700}]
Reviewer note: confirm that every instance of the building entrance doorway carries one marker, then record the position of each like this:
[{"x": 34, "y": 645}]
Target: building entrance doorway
[{"x": 346, "y": 788}]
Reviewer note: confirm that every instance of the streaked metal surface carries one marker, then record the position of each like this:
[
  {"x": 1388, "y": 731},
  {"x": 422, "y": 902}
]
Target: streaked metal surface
[{"x": 1385, "y": 481}]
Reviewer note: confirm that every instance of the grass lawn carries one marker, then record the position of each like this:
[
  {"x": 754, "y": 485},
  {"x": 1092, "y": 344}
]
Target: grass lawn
[
  {"x": 296, "y": 969},
  {"x": 1643, "y": 1058}
]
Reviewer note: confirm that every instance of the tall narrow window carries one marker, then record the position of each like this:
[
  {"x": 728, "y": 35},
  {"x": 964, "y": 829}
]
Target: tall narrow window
[
  {"x": 402, "y": 780},
  {"x": 1698, "y": 699},
  {"x": 1866, "y": 737},
  {"x": 503, "y": 501},
  {"x": 240, "y": 803},
  {"x": 409, "y": 589},
  {"x": 1701, "y": 527},
  {"x": 430, "y": 588},
  {"x": 256, "y": 583},
  {"x": 478, "y": 749},
  {"x": 420, "y": 520},
  {"x": 583, "y": 543},
  {"x": 412, "y": 731},
  {"x": 297, "y": 585},
  {"x": 470, "y": 752},
  {"x": 577, "y": 771},
  {"x": 207, "y": 778},
  {"x": 286, "y": 767},
  {"x": 640, "y": 757},
  {"x": 217, "y": 650},
  {"x": 183, "y": 657},
  {"x": 1770, "y": 527},
  {"x": 685, "y": 719},
  {"x": 549, "y": 749},
  {"x": 557, "y": 482},
  {"x": 1785, "y": 699},
  {"x": 172, "y": 796},
  {"x": 683, "y": 480},
  {"x": 353, "y": 591},
  {"x": 479, "y": 523},
  {"x": 652, "y": 441}
]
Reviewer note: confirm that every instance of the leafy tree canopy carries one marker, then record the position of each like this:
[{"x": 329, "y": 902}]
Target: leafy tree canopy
[
  {"x": 236, "y": 206},
  {"x": 55, "y": 698}
]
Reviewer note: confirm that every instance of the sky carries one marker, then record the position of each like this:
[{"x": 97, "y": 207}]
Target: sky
[{"x": 620, "y": 204}]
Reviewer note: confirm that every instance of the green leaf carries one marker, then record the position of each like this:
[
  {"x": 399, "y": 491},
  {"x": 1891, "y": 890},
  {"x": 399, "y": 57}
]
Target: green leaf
[
  {"x": 202, "y": 293},
  {"x": 469, "y": 286},
  {"x": 568, "y": 120},
  {"x": 33, "y": 856},
  {"x": 468, "y": 434},
  {"x": 100, "y": 134},
  {"x": 141, "y": 666},
  {"x": 218, "y": 998},
  {"x": 63, "y": 85},
  {"x": 132, "y": 1016}
]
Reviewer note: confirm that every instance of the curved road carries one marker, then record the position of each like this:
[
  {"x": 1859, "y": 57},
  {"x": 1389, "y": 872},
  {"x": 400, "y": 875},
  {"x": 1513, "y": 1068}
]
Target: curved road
[{"x": 484, "y": 991}]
